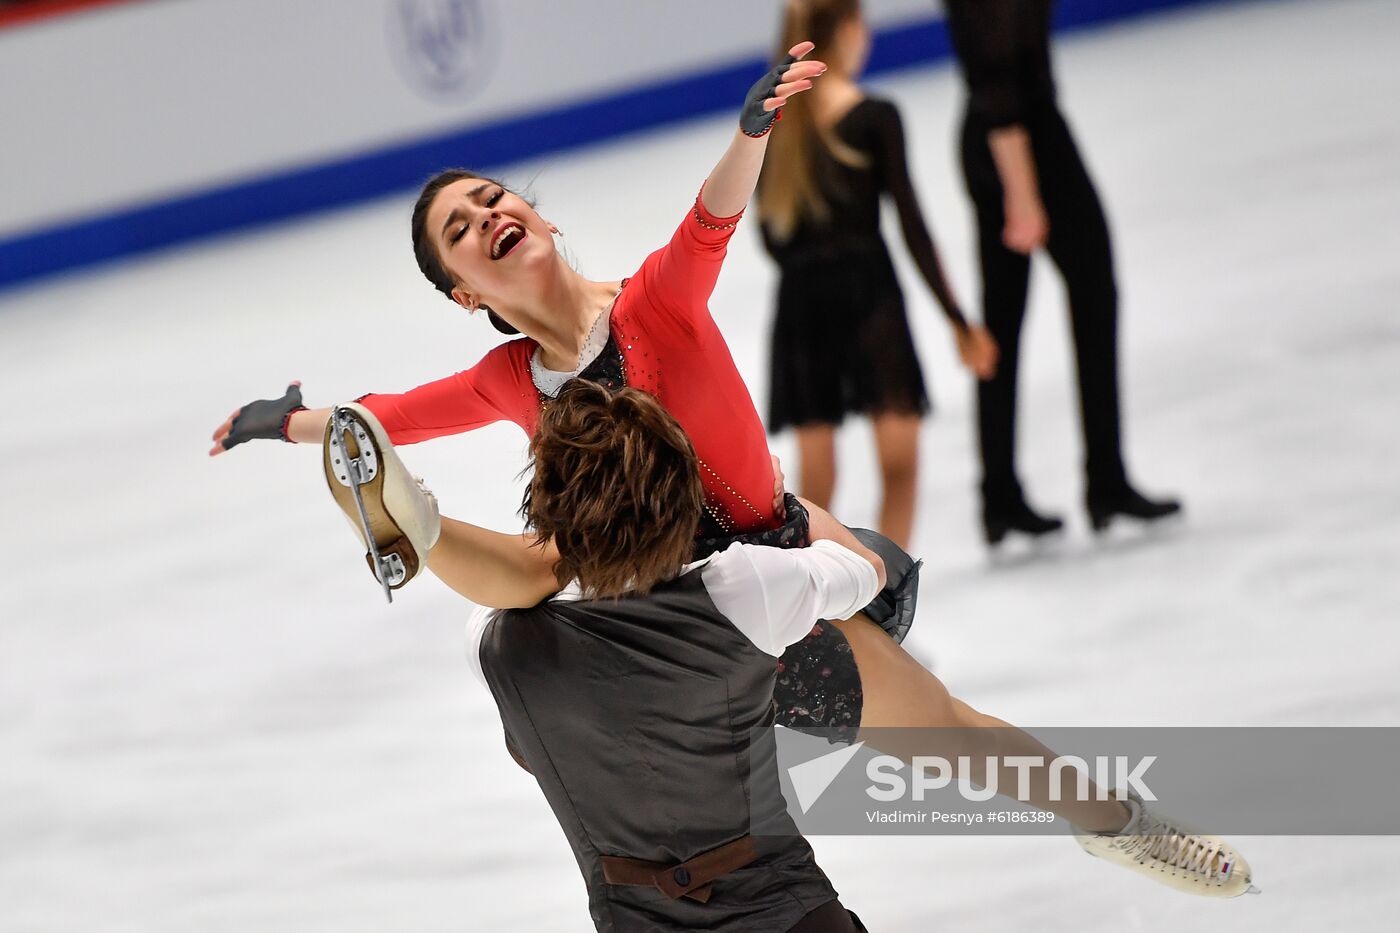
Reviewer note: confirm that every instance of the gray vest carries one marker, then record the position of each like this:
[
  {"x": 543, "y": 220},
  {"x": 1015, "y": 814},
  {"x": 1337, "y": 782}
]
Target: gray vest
[{"x": 635, "y": 716}]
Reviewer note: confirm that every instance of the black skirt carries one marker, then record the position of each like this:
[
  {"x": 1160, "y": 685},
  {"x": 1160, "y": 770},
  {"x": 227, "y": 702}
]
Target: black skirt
[{"x": 841, "y": 342}]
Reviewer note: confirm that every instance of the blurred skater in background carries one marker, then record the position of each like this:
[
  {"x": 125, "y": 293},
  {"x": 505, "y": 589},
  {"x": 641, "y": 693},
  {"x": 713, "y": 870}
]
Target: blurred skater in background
[
  {"x": 1031, "y": 190},
  {"x": 841, "y": 343}
]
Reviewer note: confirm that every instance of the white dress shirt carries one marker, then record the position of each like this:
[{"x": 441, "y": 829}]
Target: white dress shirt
[{"x": 772, "y": 595}]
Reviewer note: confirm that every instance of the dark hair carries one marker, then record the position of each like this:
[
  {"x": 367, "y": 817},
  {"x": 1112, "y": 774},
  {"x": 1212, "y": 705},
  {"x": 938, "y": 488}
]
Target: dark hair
[
  {"x": 429, "y": 262},
  {"x": 616, "y": 487}
]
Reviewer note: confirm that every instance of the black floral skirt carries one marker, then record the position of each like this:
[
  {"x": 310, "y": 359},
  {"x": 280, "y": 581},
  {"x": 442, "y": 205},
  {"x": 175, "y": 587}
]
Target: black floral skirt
[{"x": 818, "y": 685}]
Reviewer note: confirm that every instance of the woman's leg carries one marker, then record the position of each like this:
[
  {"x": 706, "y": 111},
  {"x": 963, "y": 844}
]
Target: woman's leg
[
  {"x": 900, "y": 694},
  {"x": 386, "y": 504},
  {"x": 897, "y": 443},
  {"x": 816, "y": 448}
]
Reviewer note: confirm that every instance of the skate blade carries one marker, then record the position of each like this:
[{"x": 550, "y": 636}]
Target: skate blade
[
  {"x": 351, "y": 459},
  {"x": 1026, "y": 550}
]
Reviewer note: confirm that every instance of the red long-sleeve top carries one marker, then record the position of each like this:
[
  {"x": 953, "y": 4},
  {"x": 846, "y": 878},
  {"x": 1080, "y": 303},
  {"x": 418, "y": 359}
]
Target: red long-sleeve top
[{"x": 671, "y": 347}]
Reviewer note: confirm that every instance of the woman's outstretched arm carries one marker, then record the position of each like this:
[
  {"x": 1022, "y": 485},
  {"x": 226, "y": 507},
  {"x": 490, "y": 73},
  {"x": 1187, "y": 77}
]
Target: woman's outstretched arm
[
  {"x": 267, "y": 419},
  {"x": 731, "y": 184},
  {"x": 308, "y": 426},
  {"x": 492, "y": 568},
  {"x": 461, "y": 402},
  {"x": 679, "y": 278}
]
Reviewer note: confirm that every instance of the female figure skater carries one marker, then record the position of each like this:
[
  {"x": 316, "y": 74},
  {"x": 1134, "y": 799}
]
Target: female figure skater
[
  {"x": 841, "y": 342},
  {"x": 691, "y": 832},
  {"x": 1031, "y": 190},
  {"x": 488, "y": 250}
]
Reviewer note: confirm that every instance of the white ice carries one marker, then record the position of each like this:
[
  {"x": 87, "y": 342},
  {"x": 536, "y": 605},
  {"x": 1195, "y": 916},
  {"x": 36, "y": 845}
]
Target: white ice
[{"x": 209, "y": 720}]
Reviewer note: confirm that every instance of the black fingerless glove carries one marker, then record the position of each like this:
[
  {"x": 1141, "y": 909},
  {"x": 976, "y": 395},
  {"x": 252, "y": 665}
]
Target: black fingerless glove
[
  {"x": 753, "y": 119},
  {"x": 265, "y": 419},
  {"x": 893, "y": 607}
]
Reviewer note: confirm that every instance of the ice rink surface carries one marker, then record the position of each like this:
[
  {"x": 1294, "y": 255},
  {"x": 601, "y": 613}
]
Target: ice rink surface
[{"x": 209, "y": 720}]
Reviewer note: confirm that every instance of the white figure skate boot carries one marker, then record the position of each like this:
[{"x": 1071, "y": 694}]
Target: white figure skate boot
[
  {"x": 394, "y": 514},
  {"x": 1164, "y": 850}
]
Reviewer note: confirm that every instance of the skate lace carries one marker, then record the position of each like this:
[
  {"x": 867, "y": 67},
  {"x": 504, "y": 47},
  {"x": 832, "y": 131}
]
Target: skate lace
[
  {"x": 423, "y": 488},
  {"x": 1160, "y": 841}
]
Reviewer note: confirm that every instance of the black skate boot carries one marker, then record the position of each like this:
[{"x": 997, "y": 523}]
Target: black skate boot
[
  {"x": 1129, "y": 503},
  {"x": 1000, "y": 520}
]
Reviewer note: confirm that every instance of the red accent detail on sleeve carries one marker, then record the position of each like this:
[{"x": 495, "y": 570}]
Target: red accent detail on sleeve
[
  {"x": 708, "y": 219},
  {"x": 286, "y": 420},
  {"x": 777, "y": 115}
]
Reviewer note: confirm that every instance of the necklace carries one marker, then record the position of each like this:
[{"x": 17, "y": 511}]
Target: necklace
[{"x": 550, "y": 381}]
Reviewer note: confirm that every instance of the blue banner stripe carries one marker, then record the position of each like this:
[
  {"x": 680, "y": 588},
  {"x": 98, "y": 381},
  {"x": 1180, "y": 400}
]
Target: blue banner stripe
[{"x": 128, "y": 232}]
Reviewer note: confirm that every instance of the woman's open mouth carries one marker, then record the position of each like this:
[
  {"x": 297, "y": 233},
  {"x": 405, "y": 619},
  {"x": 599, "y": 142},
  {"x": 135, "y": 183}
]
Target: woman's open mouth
[{"x": 508, "y": 237}]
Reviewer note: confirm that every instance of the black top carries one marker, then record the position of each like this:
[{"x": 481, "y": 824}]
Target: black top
[
  {"x": 647, "y": 722},
  {"x": 872, "y": 128},
  {"x": 1004, "y": 47}
]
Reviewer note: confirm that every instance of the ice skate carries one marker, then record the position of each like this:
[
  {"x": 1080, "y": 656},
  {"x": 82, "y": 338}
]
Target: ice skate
[
  {"x": 1166, "y": 851},
  {"x": 1127, "y": 502},
  {"x": 394, "y": 514},
  {"x": 1000, "y": 520}
]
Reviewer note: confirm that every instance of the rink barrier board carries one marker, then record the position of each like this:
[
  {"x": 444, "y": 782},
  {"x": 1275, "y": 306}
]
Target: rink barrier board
[{"x": 336, "y": 184}]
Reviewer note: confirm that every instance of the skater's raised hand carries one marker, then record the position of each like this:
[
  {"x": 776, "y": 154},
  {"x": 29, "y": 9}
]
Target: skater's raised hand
[
  {"x": 730, "y": 185},
  {"x": 770, "y": 92},
  {"x": 265, "y": 419}
]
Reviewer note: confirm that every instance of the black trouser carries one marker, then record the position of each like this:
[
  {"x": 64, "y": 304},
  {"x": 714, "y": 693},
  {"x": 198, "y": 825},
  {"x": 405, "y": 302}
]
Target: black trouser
[{"x": 1080, "y": 248}]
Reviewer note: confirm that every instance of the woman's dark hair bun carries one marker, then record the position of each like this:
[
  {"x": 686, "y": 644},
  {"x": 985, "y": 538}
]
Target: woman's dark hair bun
[{"x": 500, "y": 324}]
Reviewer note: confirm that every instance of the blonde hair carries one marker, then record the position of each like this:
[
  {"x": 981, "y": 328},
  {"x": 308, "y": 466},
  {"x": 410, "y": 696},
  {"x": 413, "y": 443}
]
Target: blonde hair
[{"x": 790, "y": 188}]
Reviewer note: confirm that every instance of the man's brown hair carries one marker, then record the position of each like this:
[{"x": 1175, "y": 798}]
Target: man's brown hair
[{"x": 616, "y": 487}]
